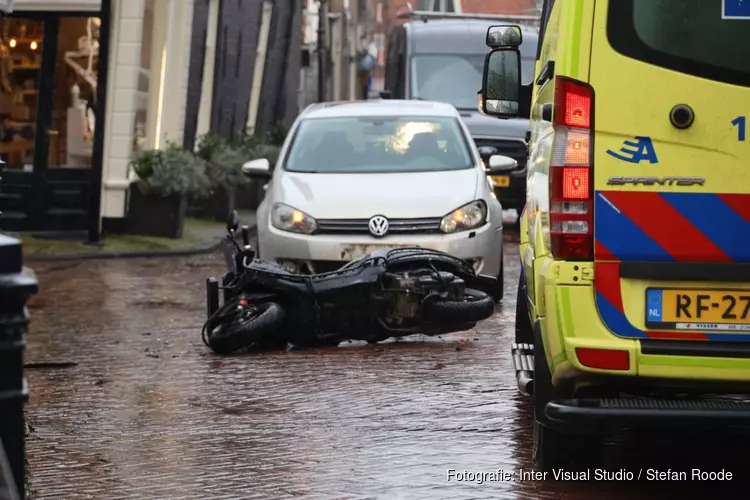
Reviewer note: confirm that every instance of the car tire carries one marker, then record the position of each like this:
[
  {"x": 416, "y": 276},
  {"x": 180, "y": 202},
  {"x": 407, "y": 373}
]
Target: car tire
[
  {"x": 553, "y": 449},
  {"x": 500, "y": 286},
  {"x": 524, "y": 330}
]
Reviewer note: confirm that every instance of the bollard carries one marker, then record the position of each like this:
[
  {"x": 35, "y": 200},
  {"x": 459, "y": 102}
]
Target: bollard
[
  {"x": 8, "y": 490},
  {"x": 16, "y": 287}
]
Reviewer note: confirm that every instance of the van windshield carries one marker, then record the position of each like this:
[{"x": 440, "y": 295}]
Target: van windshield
[
  {"x": 688, "y": 36},
  {"x": 378, "y": 144},
  {"x": 454, "y": 78}
]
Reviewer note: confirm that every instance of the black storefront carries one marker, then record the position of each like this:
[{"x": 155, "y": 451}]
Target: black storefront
[{"x": 53, "y": 71}]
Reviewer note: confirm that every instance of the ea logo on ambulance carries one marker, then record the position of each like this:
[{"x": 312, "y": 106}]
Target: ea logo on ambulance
[{"x": 642, "y": 149}]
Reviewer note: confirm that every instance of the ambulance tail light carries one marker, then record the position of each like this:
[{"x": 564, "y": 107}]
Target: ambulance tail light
[{"x": 571, "y": 180}]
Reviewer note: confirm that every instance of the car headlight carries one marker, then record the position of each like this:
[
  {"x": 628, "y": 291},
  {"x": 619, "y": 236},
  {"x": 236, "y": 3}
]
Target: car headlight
[
  {"x": 470, "y": 216},
  {"x": 288, "y": 218}
]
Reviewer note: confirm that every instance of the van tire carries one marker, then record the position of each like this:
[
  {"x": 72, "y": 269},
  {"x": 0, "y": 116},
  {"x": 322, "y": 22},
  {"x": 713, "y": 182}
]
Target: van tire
[{"x": 553, "y": 449}]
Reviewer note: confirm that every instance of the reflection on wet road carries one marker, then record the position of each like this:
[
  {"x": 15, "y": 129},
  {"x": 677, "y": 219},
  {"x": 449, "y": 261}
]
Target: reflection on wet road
[{"x": 150, "y": 413}]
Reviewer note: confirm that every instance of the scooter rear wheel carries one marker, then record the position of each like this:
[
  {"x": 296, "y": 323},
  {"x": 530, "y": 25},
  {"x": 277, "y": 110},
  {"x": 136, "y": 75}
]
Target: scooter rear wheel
[
  {"x": 475, "y": 306},
  {"x": 247, "y": 329}
]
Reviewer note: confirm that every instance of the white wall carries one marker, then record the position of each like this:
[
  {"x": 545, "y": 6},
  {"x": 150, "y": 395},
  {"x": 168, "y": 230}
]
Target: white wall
[
  {"x": 124, "y": 64},
  {"x": 171, "y": 93}
]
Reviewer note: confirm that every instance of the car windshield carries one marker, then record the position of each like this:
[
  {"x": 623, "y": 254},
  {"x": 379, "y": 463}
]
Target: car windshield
[
  {"x": 455, "y": 78},
  {"x": 378, "y": 144}
]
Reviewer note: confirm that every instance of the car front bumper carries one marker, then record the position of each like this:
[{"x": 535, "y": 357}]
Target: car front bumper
[{"x": 321, "y": 253}]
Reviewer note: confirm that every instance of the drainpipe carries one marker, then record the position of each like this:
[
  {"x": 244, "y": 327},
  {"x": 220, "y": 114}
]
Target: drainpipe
[
  {"x": 260, "y": 66},
  {"x": 322, "y": 18},
  {"x": 209, "y": 64}
]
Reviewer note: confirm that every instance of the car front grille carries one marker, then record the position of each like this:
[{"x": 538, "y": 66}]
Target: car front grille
[
  {"x": 395, "y": 226},
  {"x": 515, "y": 149}
]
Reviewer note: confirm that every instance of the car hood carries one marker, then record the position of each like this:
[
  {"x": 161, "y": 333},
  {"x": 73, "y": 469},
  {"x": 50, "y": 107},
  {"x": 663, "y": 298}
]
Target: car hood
[
  {"x": 360, "y": 196},
  {"x": 480, "y": 125}
]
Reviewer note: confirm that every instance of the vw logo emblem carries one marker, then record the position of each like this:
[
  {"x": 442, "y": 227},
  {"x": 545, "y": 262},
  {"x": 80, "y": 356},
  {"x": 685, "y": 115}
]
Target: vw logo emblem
[{"x": 378, "y": 226}]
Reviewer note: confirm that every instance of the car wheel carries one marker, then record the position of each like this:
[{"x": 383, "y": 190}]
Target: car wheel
[
  {"x": 524, "y": 330},
  {"x": 553, "y": 449},
  {"x": 500, "y": 286}
]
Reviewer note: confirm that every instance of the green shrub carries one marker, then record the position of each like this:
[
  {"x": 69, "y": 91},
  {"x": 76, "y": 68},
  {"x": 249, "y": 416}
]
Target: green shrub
[
  {"x": 224, "y": 158},
  {"x": 170, "y": 171}
]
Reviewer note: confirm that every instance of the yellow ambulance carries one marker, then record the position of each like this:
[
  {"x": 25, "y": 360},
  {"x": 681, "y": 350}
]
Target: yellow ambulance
[{"x": 634, "y": 301}]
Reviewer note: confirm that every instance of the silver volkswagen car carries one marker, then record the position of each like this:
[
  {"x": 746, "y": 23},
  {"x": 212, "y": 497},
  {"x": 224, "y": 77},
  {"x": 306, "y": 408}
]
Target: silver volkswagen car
[{"x": 360, "y": 175}]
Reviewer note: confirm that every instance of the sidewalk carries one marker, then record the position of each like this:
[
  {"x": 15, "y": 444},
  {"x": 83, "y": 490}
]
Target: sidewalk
[{"x": 199, "y": 236}]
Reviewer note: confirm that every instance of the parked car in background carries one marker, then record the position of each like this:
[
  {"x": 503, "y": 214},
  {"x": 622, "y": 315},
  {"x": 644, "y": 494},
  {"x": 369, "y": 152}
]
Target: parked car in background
[
  {"x": 441, "y": 59},
  {"x": 359, "y": 175}
]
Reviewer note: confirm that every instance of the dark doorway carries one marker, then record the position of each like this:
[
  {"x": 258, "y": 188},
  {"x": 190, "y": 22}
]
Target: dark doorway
[{"x": 49, "y": 106}]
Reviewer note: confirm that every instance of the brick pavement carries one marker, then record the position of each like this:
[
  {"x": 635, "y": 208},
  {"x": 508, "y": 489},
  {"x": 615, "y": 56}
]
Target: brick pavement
[{"x": 150, "y": 413}]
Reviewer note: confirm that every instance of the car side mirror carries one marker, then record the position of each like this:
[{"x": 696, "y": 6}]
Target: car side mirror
[
  {"x": 501, "y": 83},
  {"x": 500, "y": 164},
  {"x": 503, "y": 36},
  {"x": 257, "y": 169}
]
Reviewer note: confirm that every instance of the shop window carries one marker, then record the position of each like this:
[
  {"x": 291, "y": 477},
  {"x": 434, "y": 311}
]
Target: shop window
[
  {"x": 20, "y": 72},
  {"x": 72, "y": 122}
]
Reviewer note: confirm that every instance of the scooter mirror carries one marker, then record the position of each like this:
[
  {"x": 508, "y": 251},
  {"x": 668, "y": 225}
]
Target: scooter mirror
[{"x": 233, "y": 222}]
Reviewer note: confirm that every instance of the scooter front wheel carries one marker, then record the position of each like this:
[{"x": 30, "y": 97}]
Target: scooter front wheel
[{"x": 248, "y": 328}]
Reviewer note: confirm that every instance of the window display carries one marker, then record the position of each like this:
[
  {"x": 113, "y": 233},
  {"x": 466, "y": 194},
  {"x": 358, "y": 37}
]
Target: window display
[
  {"x": 20, "y": 65},
  {"x": 68, "y": 113},
  {"x": 75, "y": 85}
]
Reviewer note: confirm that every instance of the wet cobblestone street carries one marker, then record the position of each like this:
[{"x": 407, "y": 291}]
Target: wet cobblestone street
[{"x": 148, "y": 412}]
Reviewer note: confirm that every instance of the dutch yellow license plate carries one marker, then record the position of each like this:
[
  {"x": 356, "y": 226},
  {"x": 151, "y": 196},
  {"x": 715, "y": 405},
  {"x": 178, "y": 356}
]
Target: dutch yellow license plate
[
  {"x": 502, "y": 181},
  {"x": 698, "y": 309}
]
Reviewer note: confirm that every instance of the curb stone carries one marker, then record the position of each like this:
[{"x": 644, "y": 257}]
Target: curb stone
[{"x": 204, "y": 248}]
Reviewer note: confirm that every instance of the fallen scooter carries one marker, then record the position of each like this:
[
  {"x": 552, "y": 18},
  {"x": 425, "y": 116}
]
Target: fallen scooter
[{"x": 388, "y": 293}]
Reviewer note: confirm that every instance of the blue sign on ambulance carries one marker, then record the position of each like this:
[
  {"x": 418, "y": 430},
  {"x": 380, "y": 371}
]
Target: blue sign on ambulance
[{"x": 735, "y": 9}]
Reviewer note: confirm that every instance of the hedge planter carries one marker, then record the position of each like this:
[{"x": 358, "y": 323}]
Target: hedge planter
[
  {"x": 218, "y": 206},
  {"x": 250, "y": 195},
  {"x": 153, "y": 215}
]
